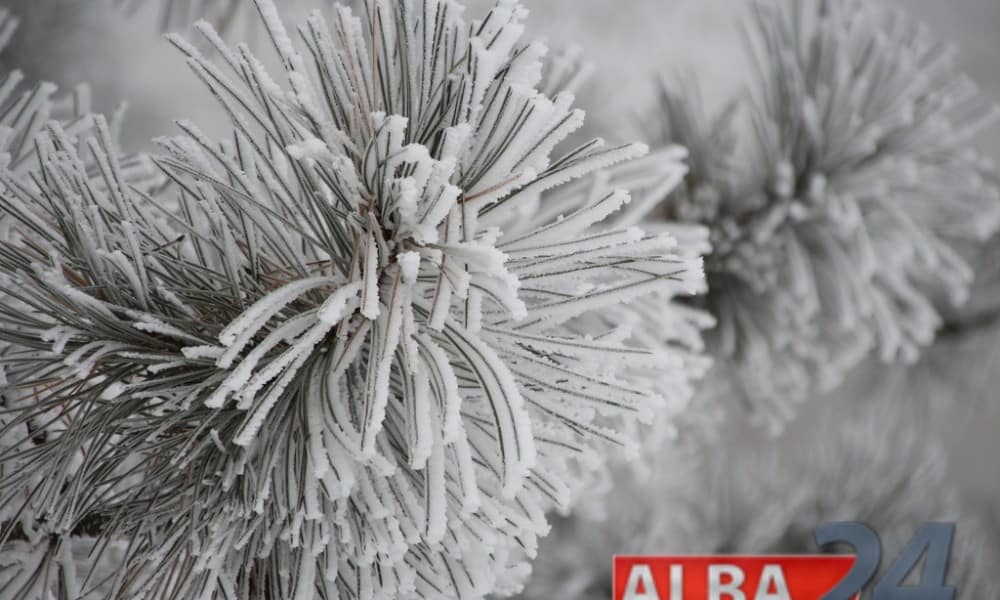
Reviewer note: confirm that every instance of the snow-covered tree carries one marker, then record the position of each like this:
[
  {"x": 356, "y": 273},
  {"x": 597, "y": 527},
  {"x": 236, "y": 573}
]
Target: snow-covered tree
[{"x": 359, "y": 348}]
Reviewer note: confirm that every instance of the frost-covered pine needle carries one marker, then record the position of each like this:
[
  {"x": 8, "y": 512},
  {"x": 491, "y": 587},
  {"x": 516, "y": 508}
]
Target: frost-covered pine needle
[
  {"x": 351, "y": 353},
  {"x": 835, "y": 196}
]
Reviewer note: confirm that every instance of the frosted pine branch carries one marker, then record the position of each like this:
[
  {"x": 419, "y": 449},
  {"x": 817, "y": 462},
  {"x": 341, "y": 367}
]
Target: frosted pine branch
[
  {"x": 348, "y": 353},
  {"x": 835, "y": 196}
]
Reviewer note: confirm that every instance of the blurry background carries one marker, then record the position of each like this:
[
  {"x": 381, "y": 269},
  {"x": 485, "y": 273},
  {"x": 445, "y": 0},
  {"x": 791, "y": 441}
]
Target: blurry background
[{"x": 631, "y": 43}]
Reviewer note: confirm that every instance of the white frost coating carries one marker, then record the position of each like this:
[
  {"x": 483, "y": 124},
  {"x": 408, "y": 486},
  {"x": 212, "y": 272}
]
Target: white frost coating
[
  {"x": 313, "y": 148},
  {"x": 387, "y": 335},
  {"x": 409, "y": 262},
  {"x": 153, "y": 325},
  {"x": 448, "y": 395},
  {"x": 435, "y": 490},
  {"x": 237, "y": 379},
  {"x": 474, "y": 311},
  {"x": 369, "y": 294},
  {"x": 294, "y": 357},
  {"x": 255, "y": 318},
  {"x": 200, "y": 352},
  {"x": 279, "y": 36},
  {"x": 422, "y": 419},
  {"x": 338, "y": 305}
]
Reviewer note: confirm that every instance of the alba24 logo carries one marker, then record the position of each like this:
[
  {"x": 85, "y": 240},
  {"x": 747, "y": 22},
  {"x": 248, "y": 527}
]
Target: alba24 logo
[{"x": 812, "y": 577}]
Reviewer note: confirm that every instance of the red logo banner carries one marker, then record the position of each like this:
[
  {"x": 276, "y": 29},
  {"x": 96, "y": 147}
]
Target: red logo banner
[{"x": 757, "y": 577}]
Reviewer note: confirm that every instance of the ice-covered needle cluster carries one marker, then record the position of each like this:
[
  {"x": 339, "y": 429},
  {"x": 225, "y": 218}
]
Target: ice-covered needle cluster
[{"x": 345, "y": 352}]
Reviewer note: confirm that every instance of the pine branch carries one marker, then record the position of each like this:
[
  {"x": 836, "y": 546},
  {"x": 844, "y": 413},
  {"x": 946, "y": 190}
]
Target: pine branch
[
  {"x": 837, "y": 204},
  {"x": 357, "y": 349}
]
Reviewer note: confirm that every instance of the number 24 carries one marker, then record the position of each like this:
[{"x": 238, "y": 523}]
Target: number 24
[{"x": 933, "y": 538}]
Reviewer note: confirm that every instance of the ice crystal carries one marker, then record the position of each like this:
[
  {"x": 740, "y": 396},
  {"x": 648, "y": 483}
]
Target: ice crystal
[
  {"x": 835, "y": 194},
  {"x": 359, "y": 348}
]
